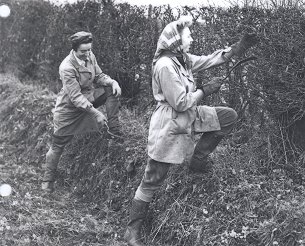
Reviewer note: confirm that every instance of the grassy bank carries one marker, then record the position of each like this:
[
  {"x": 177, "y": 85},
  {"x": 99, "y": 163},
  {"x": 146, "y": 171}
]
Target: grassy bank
[
  {"x": 239, "y": 204},
  {"x": 27, "y": 217}
]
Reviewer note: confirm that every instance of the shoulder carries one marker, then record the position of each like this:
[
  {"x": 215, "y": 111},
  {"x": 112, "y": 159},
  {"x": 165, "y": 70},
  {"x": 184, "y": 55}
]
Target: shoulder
[
  {"x": 165, "y": 63},
  {"x": 166, "y": 68},
  {"x": 66, "y": 64}
]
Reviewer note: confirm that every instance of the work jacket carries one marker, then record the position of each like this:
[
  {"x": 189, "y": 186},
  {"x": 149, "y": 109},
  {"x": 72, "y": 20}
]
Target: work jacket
[
  {"x": 177, "y": 115},
  {"x": 81, "y": 86}
]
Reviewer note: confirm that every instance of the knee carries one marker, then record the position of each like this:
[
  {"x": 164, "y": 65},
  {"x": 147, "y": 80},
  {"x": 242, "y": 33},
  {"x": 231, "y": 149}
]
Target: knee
[
  {"x": 155, "y": 173},
  {"x": 154, "y": 181},
  {"x": 227, "y": 121},
  {"x": 227, "y": 117},
  {"x": 232, "y": 115},
  {"x": 59, "y": 143},
  {"x": 109, "y": 93},
  {"x": 108, "y": 90}
]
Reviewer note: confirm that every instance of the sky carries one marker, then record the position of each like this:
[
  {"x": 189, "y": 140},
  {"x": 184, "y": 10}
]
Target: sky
[
  {"x": 179, "y": 2},
  {"x": 173, "y": 3}
]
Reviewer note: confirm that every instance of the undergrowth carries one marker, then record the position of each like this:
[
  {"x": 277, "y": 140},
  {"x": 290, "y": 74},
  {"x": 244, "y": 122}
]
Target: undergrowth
[{"x": 247, "y": 200}]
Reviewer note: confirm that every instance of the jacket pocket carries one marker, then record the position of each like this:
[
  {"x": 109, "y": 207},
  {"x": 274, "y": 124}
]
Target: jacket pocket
[
  {"x": 206, "y": 119},
  {"x": 181, "y": 122}
]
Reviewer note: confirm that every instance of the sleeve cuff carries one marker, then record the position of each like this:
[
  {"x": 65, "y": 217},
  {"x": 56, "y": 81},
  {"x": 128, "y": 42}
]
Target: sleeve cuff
[{"x": 227, "y": 54}]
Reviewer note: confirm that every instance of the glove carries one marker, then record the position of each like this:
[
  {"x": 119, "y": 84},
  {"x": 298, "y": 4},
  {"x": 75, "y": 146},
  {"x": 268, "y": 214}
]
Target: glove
[
  {"x": 211, "y": 87},
  {"x": 246, "y": 42},
  {"x": 99, "y": 117}
]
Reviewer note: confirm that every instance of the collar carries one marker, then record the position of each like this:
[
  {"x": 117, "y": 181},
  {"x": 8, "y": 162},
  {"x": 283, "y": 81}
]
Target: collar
[
  {"x": 76, "y": 63},
  {"x": 79, "y": 61},
  {"x": 176, "y": 57},
  {"x": 169, "y": 53}
]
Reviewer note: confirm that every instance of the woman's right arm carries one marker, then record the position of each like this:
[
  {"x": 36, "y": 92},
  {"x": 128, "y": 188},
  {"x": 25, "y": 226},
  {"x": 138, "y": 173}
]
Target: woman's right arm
[
  {"x": 174, "y": 91},
  {"x": 72, "y": 88}
]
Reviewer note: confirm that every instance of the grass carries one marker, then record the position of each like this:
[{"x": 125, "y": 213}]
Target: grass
[
  {"x": 246, "y": 201},
  {"x": 29, "y": 217}
]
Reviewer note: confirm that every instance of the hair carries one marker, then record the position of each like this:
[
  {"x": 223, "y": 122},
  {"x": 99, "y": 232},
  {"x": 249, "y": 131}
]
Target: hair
[
  {"x": 183, "y": 22},
  {"x": 75, "y": 45}
]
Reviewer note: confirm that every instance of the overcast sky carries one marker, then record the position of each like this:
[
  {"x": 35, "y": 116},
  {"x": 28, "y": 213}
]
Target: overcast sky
[
  {"x": 222, "y": 3},
  {"x": 179, "y": 2}
]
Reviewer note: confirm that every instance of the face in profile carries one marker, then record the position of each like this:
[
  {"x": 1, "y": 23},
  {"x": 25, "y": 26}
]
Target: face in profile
[{"x": 186, "y": 39}]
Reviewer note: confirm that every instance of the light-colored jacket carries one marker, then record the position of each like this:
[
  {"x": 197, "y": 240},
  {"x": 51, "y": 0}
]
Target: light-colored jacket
[
  {"x": 177, "y": 115},
  {"x": 81, "y": 86}
]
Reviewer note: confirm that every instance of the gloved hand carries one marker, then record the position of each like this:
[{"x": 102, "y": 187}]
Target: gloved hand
[
  {"x": 99, "y": 116},
  {"x": 246, "y": 42},
  {"x": 211, "y": 87}
]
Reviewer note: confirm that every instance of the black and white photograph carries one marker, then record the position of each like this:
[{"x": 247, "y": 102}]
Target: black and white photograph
[{"x": 152, "y": 123}]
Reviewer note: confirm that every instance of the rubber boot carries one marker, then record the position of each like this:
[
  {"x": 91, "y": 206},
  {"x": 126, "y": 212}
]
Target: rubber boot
[
  {"x": 200, "y": 161},
  {"x": 138, "y": 213},
  {"x": 52, "y": 159}
]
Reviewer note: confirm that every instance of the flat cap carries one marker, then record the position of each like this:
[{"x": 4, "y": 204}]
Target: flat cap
[{"x": 81, "y": 37}]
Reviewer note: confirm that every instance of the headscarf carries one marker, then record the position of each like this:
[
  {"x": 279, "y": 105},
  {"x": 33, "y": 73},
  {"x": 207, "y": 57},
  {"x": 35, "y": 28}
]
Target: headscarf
[{"x": 170, "y": 38}]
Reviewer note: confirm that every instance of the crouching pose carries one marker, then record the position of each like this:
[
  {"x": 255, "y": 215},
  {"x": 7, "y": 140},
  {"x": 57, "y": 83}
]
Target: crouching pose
[
  {"x": 177, "y": 115},
  {"x": 85, "y": 88}
]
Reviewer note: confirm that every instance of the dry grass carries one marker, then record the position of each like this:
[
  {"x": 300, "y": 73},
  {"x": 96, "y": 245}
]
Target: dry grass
[
  {"x": 28, "y": 217},
  {"x": 244, "y": 202}
]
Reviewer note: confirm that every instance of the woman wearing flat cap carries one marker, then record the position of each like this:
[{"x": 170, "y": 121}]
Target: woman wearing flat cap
[
  {"x": 85, "y": 88},
  {"x": 177, "y": 116}
]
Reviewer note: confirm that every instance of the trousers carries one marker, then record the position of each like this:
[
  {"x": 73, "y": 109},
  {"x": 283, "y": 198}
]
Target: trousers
[
  {"x": 156, "y": 172},
  {"x": 59, "y": 142}
]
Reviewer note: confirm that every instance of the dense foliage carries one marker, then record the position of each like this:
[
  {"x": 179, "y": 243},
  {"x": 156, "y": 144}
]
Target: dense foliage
[
  {"x": 36, "y": 35},
  {"x": 256, "y": 195},
  {"x": 239, "y": 204}
]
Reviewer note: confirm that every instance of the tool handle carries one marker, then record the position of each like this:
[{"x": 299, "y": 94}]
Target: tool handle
[{"x": 251, "y": 58}]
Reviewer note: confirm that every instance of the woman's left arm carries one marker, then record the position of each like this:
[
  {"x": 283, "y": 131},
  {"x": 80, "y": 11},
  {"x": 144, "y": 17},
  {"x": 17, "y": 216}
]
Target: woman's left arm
[
  {"x": 103, "y": 79},
  {"x": 219, "y": 57},
  {"x": 203, "y": 62}
]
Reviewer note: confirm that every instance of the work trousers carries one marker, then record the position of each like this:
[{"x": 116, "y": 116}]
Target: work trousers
[
  {"x": 58, "y": 144},
  {"x": 156, "y": 172}
]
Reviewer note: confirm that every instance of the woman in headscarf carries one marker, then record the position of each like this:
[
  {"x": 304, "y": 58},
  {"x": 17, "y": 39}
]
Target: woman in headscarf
[{"x": 177, "y": 116}]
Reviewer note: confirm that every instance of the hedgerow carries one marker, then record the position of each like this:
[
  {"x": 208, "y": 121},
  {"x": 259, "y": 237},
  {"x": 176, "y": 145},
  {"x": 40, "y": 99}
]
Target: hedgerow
[
  {"x": 255, "y": 194},
  {"x": 239, "y": 204},
  {"x": 269, "y": 90}
]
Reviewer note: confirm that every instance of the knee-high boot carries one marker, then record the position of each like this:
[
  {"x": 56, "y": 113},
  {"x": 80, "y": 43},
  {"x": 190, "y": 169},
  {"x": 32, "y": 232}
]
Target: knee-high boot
[
  {"x": 137, "y": 215},
  {"x": 52, "y": 160},
  {"x": 206, "y": 144}
]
